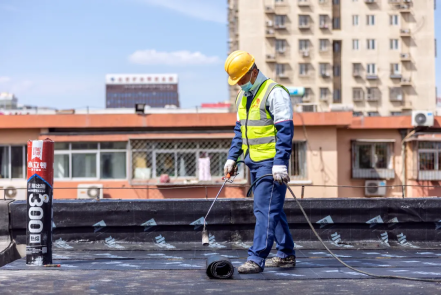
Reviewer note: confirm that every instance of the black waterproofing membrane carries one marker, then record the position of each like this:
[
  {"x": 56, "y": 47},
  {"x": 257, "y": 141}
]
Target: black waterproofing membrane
[{"x": 219, "y": 267}]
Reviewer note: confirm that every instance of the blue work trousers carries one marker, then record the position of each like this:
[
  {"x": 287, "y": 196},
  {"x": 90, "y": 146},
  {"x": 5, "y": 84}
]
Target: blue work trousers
[{"x": 271, "y": 223}]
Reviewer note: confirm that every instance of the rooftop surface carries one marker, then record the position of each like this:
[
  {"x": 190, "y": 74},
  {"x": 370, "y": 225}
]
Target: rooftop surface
[{"x": 183, "y": 272}]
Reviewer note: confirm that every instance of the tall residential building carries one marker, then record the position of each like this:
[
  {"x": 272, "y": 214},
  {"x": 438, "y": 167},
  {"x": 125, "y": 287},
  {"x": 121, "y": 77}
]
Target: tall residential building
[
  {"x": 154, "y": 90},
  {"x": 8, "y": 101},
  {"x": 375, "y": 57}
]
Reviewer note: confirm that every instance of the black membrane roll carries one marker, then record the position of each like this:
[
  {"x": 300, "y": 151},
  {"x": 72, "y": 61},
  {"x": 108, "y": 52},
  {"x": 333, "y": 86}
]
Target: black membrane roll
[{"x": 219, "y": 267}]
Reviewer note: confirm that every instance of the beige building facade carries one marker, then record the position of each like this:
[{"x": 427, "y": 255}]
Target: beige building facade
[{"x": 372, "y": 57}]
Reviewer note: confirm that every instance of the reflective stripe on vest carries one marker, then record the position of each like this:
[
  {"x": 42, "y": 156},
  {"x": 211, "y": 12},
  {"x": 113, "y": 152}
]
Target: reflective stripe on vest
[{"x": 257, "y": 126}]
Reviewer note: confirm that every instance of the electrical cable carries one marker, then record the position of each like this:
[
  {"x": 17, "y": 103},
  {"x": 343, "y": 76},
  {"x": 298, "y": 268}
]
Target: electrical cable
[{"x": 330, "y": 252}]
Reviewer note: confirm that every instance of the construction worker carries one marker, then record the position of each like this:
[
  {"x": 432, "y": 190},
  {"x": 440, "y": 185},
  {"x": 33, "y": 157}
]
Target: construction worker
[{"x": 263, "y": 133}]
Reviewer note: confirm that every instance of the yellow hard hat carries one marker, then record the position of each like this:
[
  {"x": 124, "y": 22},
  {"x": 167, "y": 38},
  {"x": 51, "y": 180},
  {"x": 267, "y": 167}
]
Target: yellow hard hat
[{"x": 238, "y": 63}]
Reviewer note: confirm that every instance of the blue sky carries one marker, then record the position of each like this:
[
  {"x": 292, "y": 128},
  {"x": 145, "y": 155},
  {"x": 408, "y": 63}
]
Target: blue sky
[{"x": 57, "y": 53}]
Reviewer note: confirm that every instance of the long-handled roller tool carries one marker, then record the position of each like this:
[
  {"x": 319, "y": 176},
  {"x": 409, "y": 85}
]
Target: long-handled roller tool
[{"x": 229, "y": 179}]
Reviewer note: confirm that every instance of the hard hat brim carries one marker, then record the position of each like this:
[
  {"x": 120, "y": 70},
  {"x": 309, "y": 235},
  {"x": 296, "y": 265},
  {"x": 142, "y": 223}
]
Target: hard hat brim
[{"x": 233, "y": 82}]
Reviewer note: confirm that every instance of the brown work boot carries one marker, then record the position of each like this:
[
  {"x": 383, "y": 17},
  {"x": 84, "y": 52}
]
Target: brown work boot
[
  {"x": 287, "y": 262},
  {"x": 249, "y": 267}
]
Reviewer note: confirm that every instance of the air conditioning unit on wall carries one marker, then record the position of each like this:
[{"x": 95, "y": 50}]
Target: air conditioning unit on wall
[
  {"x": 375, "y": 188},
  {"x": 423, "y": 118},
  {"x": 13, "y": 189},
  {"x": 90, "y": 191}
]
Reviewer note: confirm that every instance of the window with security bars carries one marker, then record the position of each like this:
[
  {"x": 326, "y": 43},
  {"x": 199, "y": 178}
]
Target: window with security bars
[
  {"x": 372, "y": 160},
  {"x": 429, "y": 160},
  {"x": 185, "y": 159},
  {"x": 297, "y": 165},
  {"x": 13, "y": 162}
]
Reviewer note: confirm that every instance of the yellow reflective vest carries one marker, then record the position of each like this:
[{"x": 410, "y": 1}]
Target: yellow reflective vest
[{"x": 257, "y": 126}]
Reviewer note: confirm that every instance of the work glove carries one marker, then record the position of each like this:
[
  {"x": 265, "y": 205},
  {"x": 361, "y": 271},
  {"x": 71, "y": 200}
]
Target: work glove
[
  {"x": 280, "y": 174},
  {"x": 230, "y": 167}
]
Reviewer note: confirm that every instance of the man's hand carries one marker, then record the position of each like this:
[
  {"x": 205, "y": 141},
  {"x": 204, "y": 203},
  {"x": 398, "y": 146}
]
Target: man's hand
[
  {"x": 280, "y": 174},
  {"x": 230, "y": 168}
]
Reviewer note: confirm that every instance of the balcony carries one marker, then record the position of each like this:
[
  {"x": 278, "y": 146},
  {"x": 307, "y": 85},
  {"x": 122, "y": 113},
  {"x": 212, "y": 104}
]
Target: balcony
[
  {"x": 324, "y": 25},
  {"x": 395, "y": 75},
  {"x": 325, "y": 74},
  {"x": 406, "y": 81},
  {"x": 303, "y": 3},
  {"x": 356, "y": 73},
  {"x": 373, "y": 173},
  {"x": 305, "y": 53},
  {"x": 269, "y": 9},
  {"x": 404, "y": 8},
  {"x": 270, "y": 58},
  {"x": 405, "y": 57},
  {"x": 279, "y": 26},
  {"x": 397, "y": 98},
  {"x": 405, "y": 32},
  {"x": 371, "y": 76},
  {"x": 304, "y": 26},
  {"x": 270, "y": 33},
  {"x": 372, "y": 97}
]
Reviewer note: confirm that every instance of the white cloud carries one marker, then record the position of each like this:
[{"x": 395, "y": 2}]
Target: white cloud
[
  {"x": 4, "y": 79},
  {"x": 181, "y": 58},
  {"x": 207, "y": 10}
]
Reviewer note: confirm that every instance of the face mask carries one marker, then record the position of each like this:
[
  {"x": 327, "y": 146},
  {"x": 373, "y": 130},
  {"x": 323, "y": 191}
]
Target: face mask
[{"x": 247, "y": 86}]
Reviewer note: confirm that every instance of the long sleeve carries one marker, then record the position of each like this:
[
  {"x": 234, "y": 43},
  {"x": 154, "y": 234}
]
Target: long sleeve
[
  {"x": 236, "y": 143},
  {"x": 280, "y": 107}
]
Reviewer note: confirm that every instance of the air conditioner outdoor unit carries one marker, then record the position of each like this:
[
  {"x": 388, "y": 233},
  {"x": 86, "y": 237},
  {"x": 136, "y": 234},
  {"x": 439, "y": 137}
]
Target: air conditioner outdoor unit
[
  {"x": 270, "y": 56},
  {"x": 13, "y": 189},
  {"x": 404, "y": 6},
  {"x": 375, "y": 188},
  {"x": 90, "y": 191},
  {"x": 269, "y": 23},
  {"x": 341, "y": 107},
  {"x": 407, "y": 1},
  {"x": 270, "y": 32},
  {"x": 422, "y": 118},
  {"x": 325, "y": 74},
  {"x": 305, "y": 53},
  {"x": 405, "y": 31},
  {"x": 369, "y": 1}
]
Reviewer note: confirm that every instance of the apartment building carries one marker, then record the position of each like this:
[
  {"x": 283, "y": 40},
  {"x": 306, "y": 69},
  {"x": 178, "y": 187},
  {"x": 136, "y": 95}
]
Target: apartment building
[{"x": 373, "y": 57}]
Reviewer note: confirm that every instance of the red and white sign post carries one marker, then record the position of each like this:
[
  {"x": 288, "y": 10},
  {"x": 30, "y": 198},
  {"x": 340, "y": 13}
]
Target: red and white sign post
[{"x": 39, "y": 202}]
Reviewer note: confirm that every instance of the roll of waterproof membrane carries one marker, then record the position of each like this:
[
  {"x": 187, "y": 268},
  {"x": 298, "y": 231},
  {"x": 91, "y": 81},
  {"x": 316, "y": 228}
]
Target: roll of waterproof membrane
[{"x": 219, "y": 267}]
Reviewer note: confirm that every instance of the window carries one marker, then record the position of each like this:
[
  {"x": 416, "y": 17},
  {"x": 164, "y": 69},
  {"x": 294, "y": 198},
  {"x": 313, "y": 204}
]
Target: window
[
  {"x": 373, "y": 114},
  {"x": 323, "y": 21},
  {"x": 336, "y": 71},
  {"x": 280, "y": 45},
  {"x": 336, "y": 23},
  {"x": 280, "y": 70},
  {"x": 12, "y": 162},
  {"x": 396, "y": 113},
  {"x": 372, "y": 159},
  {"x": 279, "y": 21},
  {"x": 357, "y": 114},
  {"x": 324, "y": 94},
  {"x": 395, "y": 94},
  {"x": 395, "y": 69},
  {"x": 178, "y": 159},
  {"x": 303, "y": 69},
  {"x": 337, "y": 46},
  {"x": 371, "y": 44},
  {"x": 355, "y": 20},
  {"x": 337, "y": 96},
  {"x": 394, "y": 20},
  {"x": 373, "y": 93},
  {"x": 429, "y": 160},
  {"x": 357, "y": 94},
  {"x": 355, "y": 44},
  {"x": 336, "y": 2},
  {"x": 303, "y": 45},
  {"x": 323, "y": 45},
  {"x": 303, "y": 21},
  {"x": 370, "y": 20},
  {"x": 371, "y": 69},
  {"x": 105, "y": 160},
  {"x": 324, "y": 70},
  {"x": 308, "y": 94},
  {"x": 297, "y": 165},
  {"x": 357, "y": 69},
  {"x": 394, "y": 44}
]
